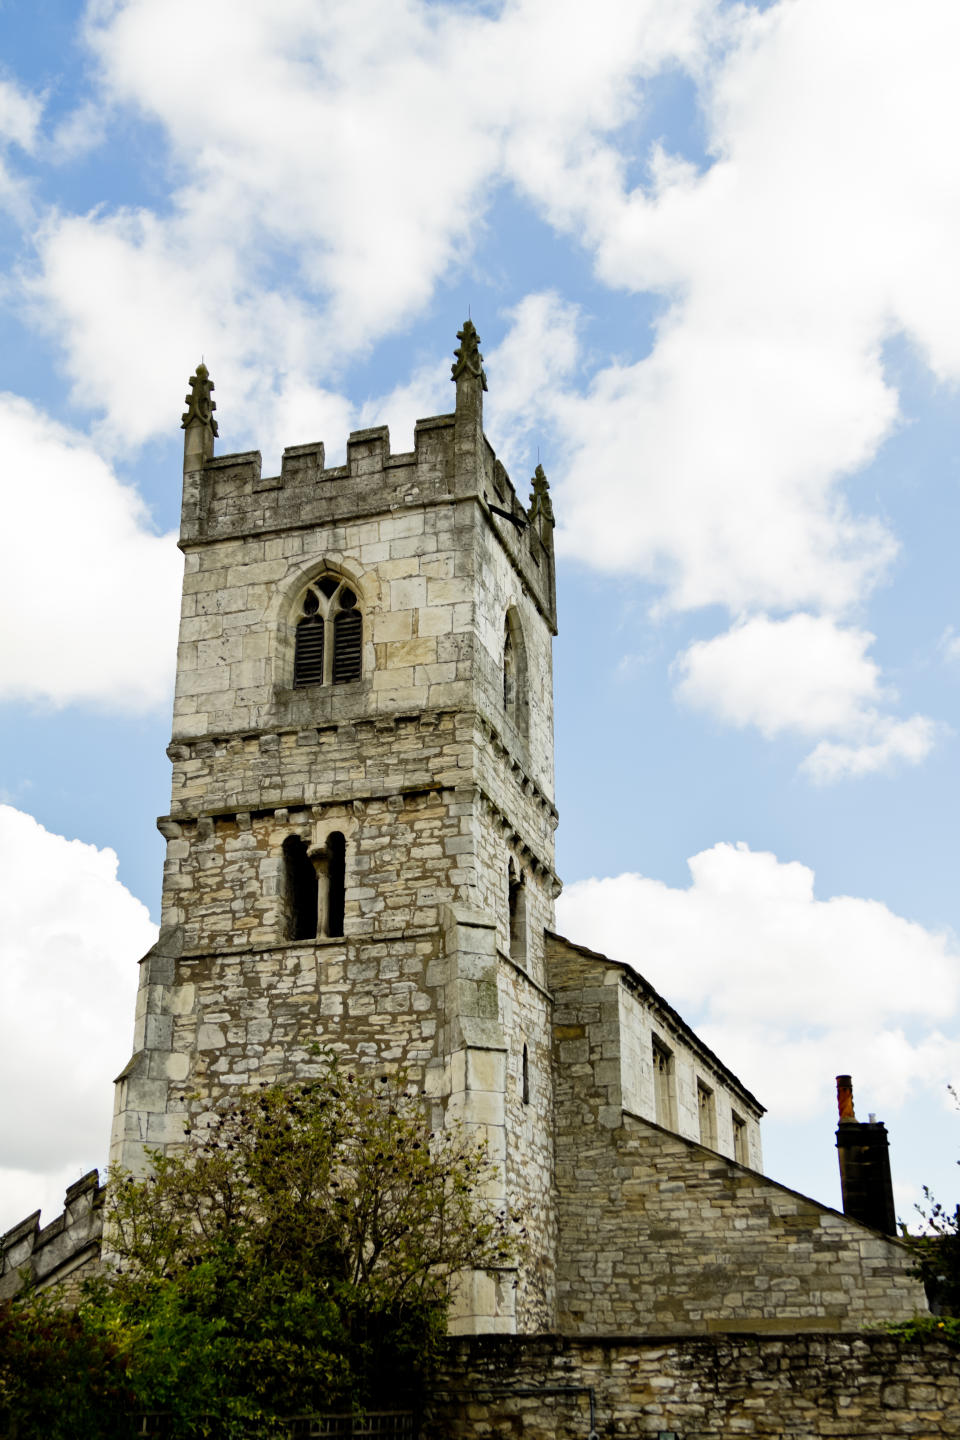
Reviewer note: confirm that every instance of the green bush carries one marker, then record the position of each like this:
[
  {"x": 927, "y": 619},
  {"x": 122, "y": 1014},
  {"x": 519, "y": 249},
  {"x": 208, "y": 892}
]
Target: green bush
[{"x": 295, "y": 1258}]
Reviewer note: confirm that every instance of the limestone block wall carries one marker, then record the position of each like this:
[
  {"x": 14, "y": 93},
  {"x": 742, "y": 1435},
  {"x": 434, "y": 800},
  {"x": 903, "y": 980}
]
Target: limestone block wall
[
  {"x": 525, "y": 1011},
  {"x": 692, "y": 1068},
  {"x": 606, "y": 1021},
  {"x": 412, "y": 574},
  {"x": 723, "y": 1387},
  {"x": 658, "y": 1233},
  {"x": 61, "y": 1253},
  {"x": 434, "y": 568},
  {"x": 500, "y": 588},
  {"x": 406, "y": 856}
]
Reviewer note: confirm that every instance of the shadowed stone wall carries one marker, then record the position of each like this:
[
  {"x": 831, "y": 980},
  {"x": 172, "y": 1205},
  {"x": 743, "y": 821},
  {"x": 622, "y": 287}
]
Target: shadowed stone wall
[{"x": 724, "y": 1387}]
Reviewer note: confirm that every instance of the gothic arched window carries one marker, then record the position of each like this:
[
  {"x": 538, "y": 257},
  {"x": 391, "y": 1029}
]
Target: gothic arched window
[{"x": 329, "y": 643}]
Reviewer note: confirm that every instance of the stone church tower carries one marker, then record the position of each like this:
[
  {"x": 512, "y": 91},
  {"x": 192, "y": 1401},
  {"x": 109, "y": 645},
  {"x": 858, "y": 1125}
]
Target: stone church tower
[
  {"x": 360, "y": 860},
  {"x": 360, "y": 840}
]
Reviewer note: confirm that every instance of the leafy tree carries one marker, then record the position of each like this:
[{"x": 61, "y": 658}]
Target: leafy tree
[
  {"x": 936, "y": 1253},
  {"x": 296, "y": 1257},
  {"x": 61, "y": 1375}
]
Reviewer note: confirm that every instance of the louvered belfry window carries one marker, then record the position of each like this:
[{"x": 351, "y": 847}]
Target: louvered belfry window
[{"x": 329, "y": 642}]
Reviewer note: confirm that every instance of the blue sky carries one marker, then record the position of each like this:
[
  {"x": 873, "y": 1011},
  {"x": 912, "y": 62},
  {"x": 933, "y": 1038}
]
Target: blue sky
[{"x": 710, "y": 250}]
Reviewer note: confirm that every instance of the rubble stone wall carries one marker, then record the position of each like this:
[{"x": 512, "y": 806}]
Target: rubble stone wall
[{"x": 725, "y": 1387}]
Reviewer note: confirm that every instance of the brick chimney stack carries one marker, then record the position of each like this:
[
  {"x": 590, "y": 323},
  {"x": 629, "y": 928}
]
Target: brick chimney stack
[{"x": 864, "y": 1154}]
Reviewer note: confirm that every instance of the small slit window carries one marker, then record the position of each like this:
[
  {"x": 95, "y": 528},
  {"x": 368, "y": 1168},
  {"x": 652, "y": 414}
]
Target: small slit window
[
  {"x": 739, "y": 1139},
  {"x": 525, "y": 1078},
  {"x": 663, "y": 1093},
  {"x": 517, "y": 913},
  {"x": 707, "y": 1115},
  {"x": 328, "y": 649}
]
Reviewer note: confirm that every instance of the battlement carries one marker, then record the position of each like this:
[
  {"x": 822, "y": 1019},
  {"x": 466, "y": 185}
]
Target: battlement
[{"x": 227, "y": 497}]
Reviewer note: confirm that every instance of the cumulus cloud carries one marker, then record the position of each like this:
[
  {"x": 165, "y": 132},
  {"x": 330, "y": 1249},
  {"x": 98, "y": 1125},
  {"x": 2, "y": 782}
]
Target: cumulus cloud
[
  {"x": 340, "y": 158},
  {"x": 805, "y": 675},
  {"x": 99, "y": 624},
  {"x": 909, "y": 741},
  {"x": 20, "y": 113},
  {"x": 787, "y": 262},
  {"x": 761, "y": 967},
  {"x": 331, "y": 165},
  {"x": 72, "y": 935}
]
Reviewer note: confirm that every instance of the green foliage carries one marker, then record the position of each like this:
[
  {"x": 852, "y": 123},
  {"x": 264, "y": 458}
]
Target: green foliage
[
  {"x": 936, "y": 1253},
  {"x": 295, "y": 1258},
  {"x": 925, "y": 1327},
  {"x": 61, "y": 1373}
]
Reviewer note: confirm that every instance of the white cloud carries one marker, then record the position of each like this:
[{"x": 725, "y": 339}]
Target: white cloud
[
  {"x": 20, "y": 114},
  {"x": 339, "y": 162},
  {"x": 71, "y": 937},
  {"x": 825, "y": 223},
  {"x": 805, "y": 674},
  {"x": 97, "y": 622},
  {"x": 536, "y": 357},
  {"x": 340, "y": 158},
  {"x": 899, "y": 740},
  {"x": 762, "y": 968},
  {"x": 808, "y": 676}
]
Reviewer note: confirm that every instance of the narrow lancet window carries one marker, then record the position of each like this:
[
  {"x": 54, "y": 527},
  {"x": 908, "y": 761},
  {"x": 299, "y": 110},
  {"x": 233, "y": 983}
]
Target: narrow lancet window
[
  {"x": 663, "y": 1086},
  {"x": 514, "y": 677},
  {"x": 509, "y": 671},
  {"x": 336, "y": 882},
  {"x": 525, "y": 1078},
  {"x": 301, "y": 888},
  {"x": 517, "y": 903}
]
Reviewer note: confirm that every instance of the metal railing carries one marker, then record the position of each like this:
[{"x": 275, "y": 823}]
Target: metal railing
[{"x": 374, "y": 1425}]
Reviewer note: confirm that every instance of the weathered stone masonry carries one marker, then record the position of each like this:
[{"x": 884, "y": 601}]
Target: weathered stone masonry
[
  {"x": 411, "y": 794},
  {"x": 439, "y": 781},
  {"x": 722, "y": 1387}
]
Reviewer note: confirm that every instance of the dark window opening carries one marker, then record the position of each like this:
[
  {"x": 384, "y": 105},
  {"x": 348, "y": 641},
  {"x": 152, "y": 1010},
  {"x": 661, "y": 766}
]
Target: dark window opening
[
  {"x": 509, "y": 670},
  {"x": 301, "y": 890},
  {"x": 525, "y": 1079},
  {"x": 336, "y": 882},
  {"x": 308, "y": 660},
  {"x": 347, "y": 645}
]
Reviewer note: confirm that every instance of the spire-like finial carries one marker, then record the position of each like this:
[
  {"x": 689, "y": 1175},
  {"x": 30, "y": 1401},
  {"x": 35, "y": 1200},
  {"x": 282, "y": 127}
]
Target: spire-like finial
[
  {"x": 200, "y": 407},
  {"x": 469, "y": 361},
  {"x": 540, "y": 502},
  {"x": 199, "y": 426}
]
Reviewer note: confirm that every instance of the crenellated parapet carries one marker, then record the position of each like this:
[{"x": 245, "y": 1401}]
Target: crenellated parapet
[
  {"x": 228, "y": 496},
  {"x": 61, "y": 1252}
]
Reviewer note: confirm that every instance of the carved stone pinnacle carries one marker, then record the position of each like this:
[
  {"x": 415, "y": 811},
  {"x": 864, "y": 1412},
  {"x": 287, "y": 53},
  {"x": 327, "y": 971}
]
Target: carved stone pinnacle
[
  {"x": 200, "y": 407},
  {"x": 469, "y": 361},
  {"x": 540, "y": 502}
]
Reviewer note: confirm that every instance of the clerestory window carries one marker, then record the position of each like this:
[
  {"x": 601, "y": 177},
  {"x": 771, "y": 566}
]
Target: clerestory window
[{"x": 329, "y": 643}]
